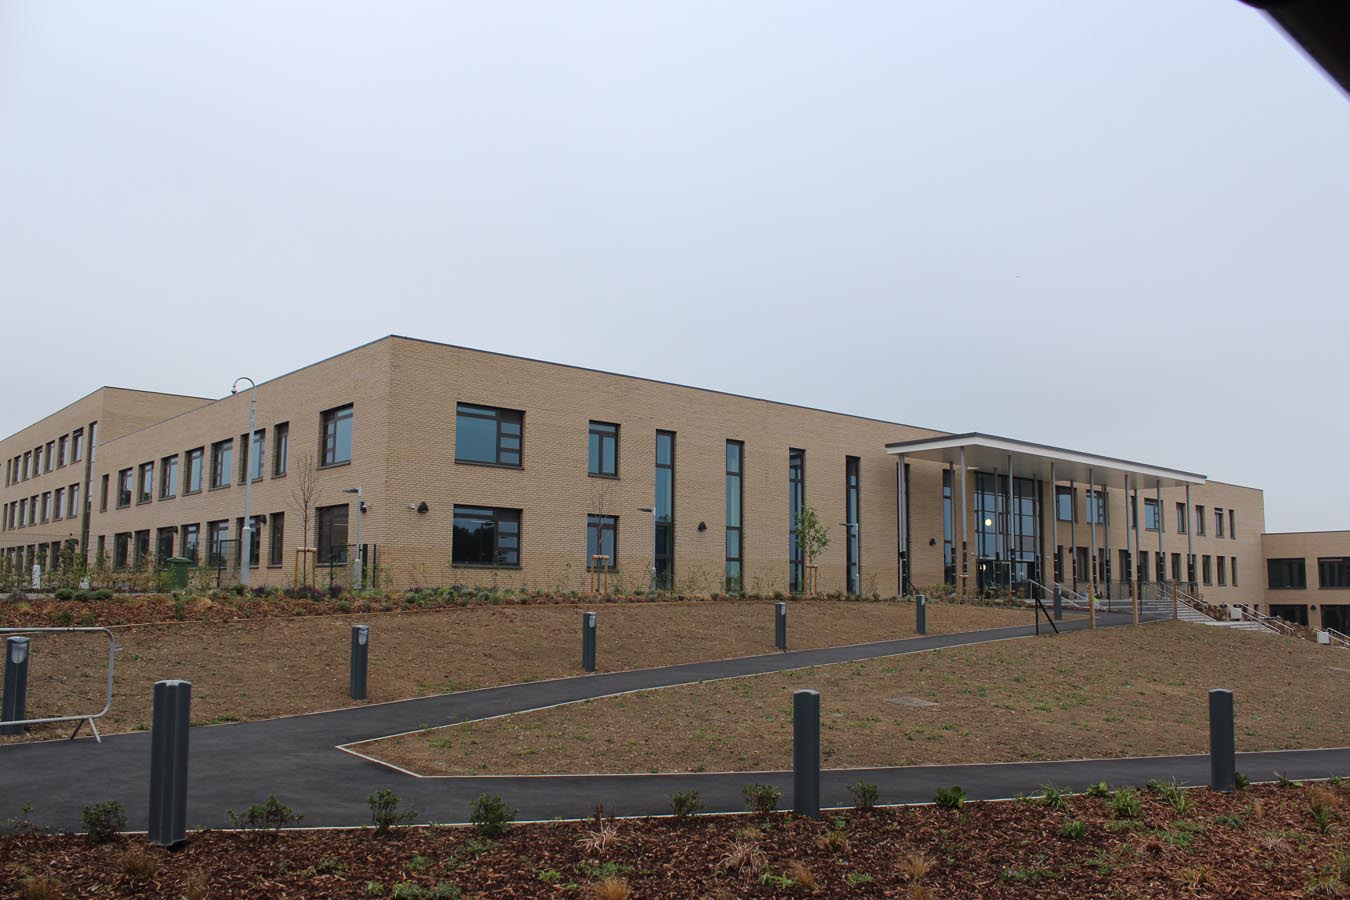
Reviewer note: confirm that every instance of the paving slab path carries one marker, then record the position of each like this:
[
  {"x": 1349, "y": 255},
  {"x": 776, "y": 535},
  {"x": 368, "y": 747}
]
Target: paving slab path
[{"x": 298, "y": 758}]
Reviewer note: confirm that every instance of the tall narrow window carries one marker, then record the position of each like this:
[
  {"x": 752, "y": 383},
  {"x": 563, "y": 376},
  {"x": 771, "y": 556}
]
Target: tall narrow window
[
  {"x": 143, "y": 547},
  {"x": 1207, "y": 568},
  {"x": 602, "y": 539},
  {"x": 602, "y": 450},
  {"x": 485, "y": 537},
  {"x": 1232, "y": 529},
  {"x": 168, "y": 477},
  {"x": 61, "y": 451},
  {"x": 121, "y": 549},
  {"x": 49, "y": 455},
  {"x": 192, "y": 470},
  {"x": 1232, "y": 569},
  {"x": 735, "y": 578},
  {"x": 852, "y": 505},
  {"x": 664, "y": 531},
  {"x": 796, "y": 503},
  {"x": 1218, "y": 521},
  {"x": 256, "y": 452},
  {"x": 164, "y": 538},
  {"x": 1096, "y": 506},
  {"x": 1064, "y": 502},
  {"x": 1152, "y": 515},
  {"x": 222, "y": 453},
  {"x": 124, "y": 488},
  {"x": 103, "y": 495},
  {"x": 1181, "y": 518},
  {"x": 1199, "y": 520},
  {"x": 218, "y": 543},
  {"x": 276, "y": 540},
  {"x": 74, "y": 500},
  {"x": 145, "y": 486},
  {"x": 191, "y": 537},
  {"x": 1222, "y": 563},
  {"x": 77, "y": 445},
  {"x": 281, "y": 437},
  {"x": 488, "y": 435},
  {"x": 332, "y": 535},
  {"x": 58, "y": 503},
  {"x": 337, "y": 436},
  {"x": 949, "y": 531}
]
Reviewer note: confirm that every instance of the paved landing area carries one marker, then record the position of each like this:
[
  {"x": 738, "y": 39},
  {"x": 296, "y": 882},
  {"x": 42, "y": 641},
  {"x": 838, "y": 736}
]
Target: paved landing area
[{"x": 298, "y": 760}]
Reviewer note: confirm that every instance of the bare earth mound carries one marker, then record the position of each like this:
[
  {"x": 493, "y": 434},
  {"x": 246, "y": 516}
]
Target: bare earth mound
[
  {"x": 259, "y": 669},
  {"x": 1116, "y": 692}
]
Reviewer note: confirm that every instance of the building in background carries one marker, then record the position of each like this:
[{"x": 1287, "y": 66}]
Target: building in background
[{"x": 488, "y": 469}]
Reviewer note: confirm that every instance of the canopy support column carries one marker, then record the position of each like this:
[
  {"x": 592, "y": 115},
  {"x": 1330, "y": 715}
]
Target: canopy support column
[
  {"x": 1136, "y": 554},
  {"x": 1092, "y": 568},
  {"x": 1190, "y": 550},
  {"x": 1161, "y": 567},
  {"x": 965, "y": 566},
  {"x": 1054, "y": 528},
  {"x": 901, "y": 526}
]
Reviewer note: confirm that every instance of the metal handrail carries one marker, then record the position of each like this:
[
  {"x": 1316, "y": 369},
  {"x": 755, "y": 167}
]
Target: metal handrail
[
  {"x": 81, "y": 719},
  {"x": 1277, "y": 625},
  {"x": 1337, "y": 638},
  {"x": 1066, "y": 591}
]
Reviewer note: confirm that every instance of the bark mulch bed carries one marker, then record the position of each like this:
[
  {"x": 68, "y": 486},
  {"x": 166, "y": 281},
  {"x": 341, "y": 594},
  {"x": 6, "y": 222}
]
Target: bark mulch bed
[{"x": 1263, "y": 842}]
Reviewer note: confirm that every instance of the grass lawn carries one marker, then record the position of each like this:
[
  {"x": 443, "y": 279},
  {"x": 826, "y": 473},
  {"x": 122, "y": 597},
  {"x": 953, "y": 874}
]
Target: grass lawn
[
  {"x": 1116, "y": 692},
  {"x": 255, "y": 669}
]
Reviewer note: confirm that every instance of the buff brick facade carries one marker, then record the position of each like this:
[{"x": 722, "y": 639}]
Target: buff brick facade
[{"x": 403, "y": 395}]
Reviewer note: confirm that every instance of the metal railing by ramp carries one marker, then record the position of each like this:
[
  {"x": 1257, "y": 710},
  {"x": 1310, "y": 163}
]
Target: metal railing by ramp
[{"x": 81, "y": 718}]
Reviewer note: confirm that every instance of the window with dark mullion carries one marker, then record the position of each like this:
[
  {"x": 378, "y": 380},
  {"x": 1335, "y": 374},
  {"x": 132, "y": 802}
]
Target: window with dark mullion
[
  {"x": 602, "y": 539},
  {"x": 664, "y": 532},
  {"x": 484, "y": 536},
  {"x": 276, "y": 538},
  {"x": 336, "y": 436},
  {"x": 602, "y": 450},
  {"x": 735, "y": 576},
  {"x": 851, "y": 507},
  {"x": 1287, "y": 574},
  {"x": 1333, "y": 572},
  {"x": 796, "y": 503},
  {"x": 489, "y": 436}
]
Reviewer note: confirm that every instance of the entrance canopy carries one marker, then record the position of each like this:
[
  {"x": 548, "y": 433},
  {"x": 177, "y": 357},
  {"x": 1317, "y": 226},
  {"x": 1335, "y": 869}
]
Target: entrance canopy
[{"x": 987, "y": 452}]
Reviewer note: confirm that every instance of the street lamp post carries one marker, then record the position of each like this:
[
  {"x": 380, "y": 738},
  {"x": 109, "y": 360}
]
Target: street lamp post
[
  {"x": 356, "y": 557},
  {"x": 246, "y": 533},
  {"x": 652, "y": 510}
]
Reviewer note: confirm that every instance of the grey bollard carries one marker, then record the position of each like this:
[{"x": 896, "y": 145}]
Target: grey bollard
[
  {"x": 780, "y": 625},
  {"x": 16, "y": 685},
  {"x": 169, "y": 762},
  {"x": 588, "y": 642},
  {"x": 1222, "y": 746},
  {"x": 806, "y": 753},
  {"x": 360, "y": 660},
  {"x": 1059, "y": 603},
  {"x": 920, "y": 614}
]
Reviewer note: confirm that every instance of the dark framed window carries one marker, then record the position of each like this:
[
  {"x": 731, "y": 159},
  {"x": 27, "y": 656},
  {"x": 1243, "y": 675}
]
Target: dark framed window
[
  {"x": 664, "y": 532},
  {"x": 103, "y": 495},
  {"x": 735, "y": 575},
  {"x": 251, "y": 455},
  {"x": 276, "y": 540},
  {"x": 796, "y": 503},
  {"x": 49, "y": 457},
  {"x": 602, "y": 450},
  {"x": 852, "y": 505},
  {"x": 1207, "y": 569},
  {"x": 58, "y": 503},
  {"x": 1065, "y": 504},
  {"x": 1181, "y": 518},
  {"x": 336, "y": 432},
  {"x": 254, "y": 538},
  {"x": 1286, "y": 574},
  {"x": 491, "y": 436},
  {"x": 142, "y": 547},
  {"x": 1232, "y": 568},
  {"x": 1152, "y": 515},
  {"x": 281, "y": 438},
  {"x": 61, "y": 451},
  {"x": 1096, "y": 506},
  {"x": 602, "y": 538},
  {"x": 484, "y": 536},
  {"x": 121, "y": 549},
  {"x": 218, "y": 543},
  {"x": 77, "y": 445},
  {"x": 1218, "y": 522},
  {"x": 1199, "y": 519},
  {"x": 1296, "y": 613},
  {"x": 331, "y": 522},
  {"x": 46, "y": 506},
  {"x": 73, "y": 497},
  {"x": 191, "y": 538},
  {"x": 1232, "y": 526},
  {"x": 168, "y": 477},
  {"x": 27, "y": 461},
  {"x": 1221, "y": 563},
  {"x": 1333, "y": 572},
  {"x": 123, "y": 488},
  {"x": 145, "y": 487},
  {"x": 192, "y": 470},
  {"x": 222, "y": 455},
  {"x": 164, "y": 539}
]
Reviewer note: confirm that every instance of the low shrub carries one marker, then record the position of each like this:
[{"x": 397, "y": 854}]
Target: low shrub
[
  {"x": 865, "y": 794},
  {"x": 64, "y": 594},
  {"x": 761, "y": 798},
  {"x": 386, "y": 811},
  {"x": 103, "y": 594},
  {"x": 491, "y": 815},
  {"x": 1126, "y": 804},
  {"x": 102, "y": 821},
  {"x": 1100, "y": 789},
  {"x": 1242, "y": 781},
  {"x": 269, "y": 816},
  {"x": 138, "y": 864},
  {"x": 950, "y": 798},
  {"x": 685, "y": 804},
  {"x": 1054, "y": 797},
  {"x": 38, "y": 887},
  {"x": 1073, "y": 830}
]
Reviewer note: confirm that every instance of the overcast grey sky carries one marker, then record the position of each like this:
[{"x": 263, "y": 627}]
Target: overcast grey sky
[{"x": 1114, "y": 226}]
